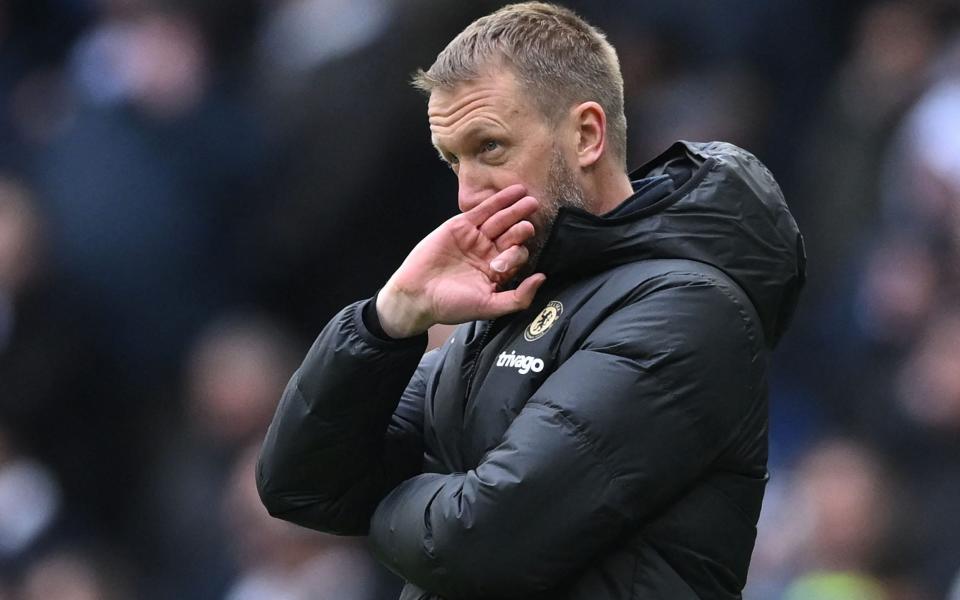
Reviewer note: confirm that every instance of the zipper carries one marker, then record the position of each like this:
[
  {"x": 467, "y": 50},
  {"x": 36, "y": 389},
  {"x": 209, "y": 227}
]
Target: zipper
[{"x": 484, "y": 339}]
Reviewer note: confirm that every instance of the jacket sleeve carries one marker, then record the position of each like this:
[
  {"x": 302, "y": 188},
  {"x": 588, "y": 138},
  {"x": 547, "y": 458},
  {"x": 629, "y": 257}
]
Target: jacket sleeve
[
  {"x": 629, "y": 421},
  {"x": 348, "y": 428}
]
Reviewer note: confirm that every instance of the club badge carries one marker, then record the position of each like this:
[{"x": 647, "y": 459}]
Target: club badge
[{"x": 544, "y": 321}]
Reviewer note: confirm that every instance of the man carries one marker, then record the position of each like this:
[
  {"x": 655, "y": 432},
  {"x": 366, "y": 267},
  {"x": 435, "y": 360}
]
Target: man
[{"x": 596, "y": 427}]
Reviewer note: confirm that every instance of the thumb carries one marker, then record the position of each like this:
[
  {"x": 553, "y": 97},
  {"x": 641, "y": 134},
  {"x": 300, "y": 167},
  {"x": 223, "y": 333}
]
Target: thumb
[{"x": 510, "y": 301}]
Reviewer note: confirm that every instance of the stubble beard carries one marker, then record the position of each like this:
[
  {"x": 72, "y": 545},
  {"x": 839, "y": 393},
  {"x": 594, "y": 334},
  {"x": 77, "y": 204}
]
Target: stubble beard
[{"x": 563, "y": 190}]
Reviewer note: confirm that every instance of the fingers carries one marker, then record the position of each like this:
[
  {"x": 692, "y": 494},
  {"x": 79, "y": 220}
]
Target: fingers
[
  {"x": 479, "y": 214},
  {"x": 509, "y": 260},
  {"x": 504, "y": 303},
  {"x": 515, "y": 236},
  {"x": 504, "y": 219}
]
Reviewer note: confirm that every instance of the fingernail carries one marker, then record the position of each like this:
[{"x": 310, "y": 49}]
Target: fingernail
[{"x": 499, "y": 266}]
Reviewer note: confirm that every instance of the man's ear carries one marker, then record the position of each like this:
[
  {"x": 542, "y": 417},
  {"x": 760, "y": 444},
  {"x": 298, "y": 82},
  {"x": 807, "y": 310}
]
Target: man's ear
[{"x": 591, "y": 124}]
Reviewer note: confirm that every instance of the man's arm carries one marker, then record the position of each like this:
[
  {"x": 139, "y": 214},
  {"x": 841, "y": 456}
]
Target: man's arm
[
  {"x": 620, "y": 430},
  {"x": 339, "y": 440}
]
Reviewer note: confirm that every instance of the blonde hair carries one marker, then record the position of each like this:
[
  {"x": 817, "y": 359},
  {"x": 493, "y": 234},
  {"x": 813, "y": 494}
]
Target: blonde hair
[{"x": 560, "y": 57}]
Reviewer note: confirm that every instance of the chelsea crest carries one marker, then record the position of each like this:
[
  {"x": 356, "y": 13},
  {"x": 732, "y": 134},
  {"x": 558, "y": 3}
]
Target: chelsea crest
[{"x": 544, "y": 321}]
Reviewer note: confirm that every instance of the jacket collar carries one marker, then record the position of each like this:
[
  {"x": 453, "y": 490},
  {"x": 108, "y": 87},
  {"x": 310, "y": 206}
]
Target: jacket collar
[
  {"x": 724, "y": 210},
  {"x": 581, "y": 241}
]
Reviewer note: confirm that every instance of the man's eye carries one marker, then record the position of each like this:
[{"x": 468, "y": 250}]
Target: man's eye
[{"x": 490, "y": 146}]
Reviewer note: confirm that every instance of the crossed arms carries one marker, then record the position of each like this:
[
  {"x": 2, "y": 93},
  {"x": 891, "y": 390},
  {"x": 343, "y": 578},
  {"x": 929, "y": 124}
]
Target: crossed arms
[{"x": 587, "y": 459}]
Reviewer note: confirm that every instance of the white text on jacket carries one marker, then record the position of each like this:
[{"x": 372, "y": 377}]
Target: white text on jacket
[{"x": 523, "y": 364}]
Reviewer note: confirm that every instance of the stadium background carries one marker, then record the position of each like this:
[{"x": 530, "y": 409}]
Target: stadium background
[{"x": 190, "y": 189}]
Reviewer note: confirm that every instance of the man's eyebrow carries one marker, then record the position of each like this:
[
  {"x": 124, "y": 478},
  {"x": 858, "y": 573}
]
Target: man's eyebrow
[
  {"x": 471, "y": 133},
  {"x": 440, "y": 150}
]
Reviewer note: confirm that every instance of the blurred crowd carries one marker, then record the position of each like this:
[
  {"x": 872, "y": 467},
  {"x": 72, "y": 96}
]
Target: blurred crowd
[{"x": 190, "y": 189}]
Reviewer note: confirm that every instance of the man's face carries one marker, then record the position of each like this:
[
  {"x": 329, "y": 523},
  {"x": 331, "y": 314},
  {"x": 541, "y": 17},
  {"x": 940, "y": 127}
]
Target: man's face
[{"x": 493, "y": 136}]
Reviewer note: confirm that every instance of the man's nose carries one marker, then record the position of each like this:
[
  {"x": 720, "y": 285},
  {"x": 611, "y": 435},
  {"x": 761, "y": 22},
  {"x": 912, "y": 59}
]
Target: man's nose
[{"x": 473, "y": 188}]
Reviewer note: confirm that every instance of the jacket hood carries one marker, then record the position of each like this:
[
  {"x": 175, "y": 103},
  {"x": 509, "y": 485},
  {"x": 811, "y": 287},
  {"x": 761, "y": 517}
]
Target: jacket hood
[{"x": 726, "y": 210}]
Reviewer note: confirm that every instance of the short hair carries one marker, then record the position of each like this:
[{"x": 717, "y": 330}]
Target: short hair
[{"x": 563, "y": 59}]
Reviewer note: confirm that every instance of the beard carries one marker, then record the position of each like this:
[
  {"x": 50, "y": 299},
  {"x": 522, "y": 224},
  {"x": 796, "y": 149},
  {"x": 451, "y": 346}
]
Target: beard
[{"x": 563, "y": 190}]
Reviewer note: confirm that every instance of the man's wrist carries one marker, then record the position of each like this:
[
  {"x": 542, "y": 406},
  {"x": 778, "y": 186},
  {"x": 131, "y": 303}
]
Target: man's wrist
[{"x": 398, "y": 315}]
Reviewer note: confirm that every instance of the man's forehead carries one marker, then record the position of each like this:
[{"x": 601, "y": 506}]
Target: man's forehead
[{"x": 495, "y": 90}]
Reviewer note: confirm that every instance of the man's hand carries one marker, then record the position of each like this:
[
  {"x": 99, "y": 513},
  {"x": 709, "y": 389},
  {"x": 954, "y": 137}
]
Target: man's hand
[{"x": 452, "y": 275}]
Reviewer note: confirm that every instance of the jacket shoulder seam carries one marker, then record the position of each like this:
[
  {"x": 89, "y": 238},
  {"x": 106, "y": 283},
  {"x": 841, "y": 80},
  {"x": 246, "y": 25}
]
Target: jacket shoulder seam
[
  {"x": 579, "y": 429},
  {"x": 724, "y": 287},
  {"x": 752, "y": 344}
]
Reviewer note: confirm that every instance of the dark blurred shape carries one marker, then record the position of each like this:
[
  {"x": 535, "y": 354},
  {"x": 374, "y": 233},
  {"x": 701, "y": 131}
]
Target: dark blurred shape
[
  {"x": 146, "y": 196},
  {"x": 928, "y": 447},
  {"x": 51, "y": 373},
  {"x": 234, "y": 373},
  {"x": 357, "y": 158},
  {"x": 720, "y": 103},
  {"x": 280, "y": 560},
  {"x": 34, "y": 37},
  {"x": 881, "y": 76}
]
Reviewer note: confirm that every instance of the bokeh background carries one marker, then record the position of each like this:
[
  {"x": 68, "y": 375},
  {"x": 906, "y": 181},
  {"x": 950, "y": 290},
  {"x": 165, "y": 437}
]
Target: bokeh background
[{"x": 190, "y": 189}]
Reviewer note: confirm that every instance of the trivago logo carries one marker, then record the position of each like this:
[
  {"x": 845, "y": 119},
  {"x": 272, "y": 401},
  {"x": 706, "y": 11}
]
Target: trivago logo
[{"x": 523, "y": 364}]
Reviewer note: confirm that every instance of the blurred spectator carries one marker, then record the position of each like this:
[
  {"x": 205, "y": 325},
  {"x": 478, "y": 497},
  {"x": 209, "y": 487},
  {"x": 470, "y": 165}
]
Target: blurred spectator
[
  {"x": 96, "y": 63},
  {"x": 883, "y": 73},
  {"x": 302, "y": 35},
  {"x": 236, "y": 369},
  {"x": 75, "y": 575},
  {"x": 720, "y": 103},
  {"x": 284, "y": 562},
  {"x": 147, "y": 197},
  {"x": 846, "y": 495},
  {"x": 34, "y": 36},
  {"x": 827, "y": 533},
  {"x": 928, "y": 446},
  {"x": 930, "y": 381},
  {"x": 879, "y": 314},
  {"x": 20, "y": 239},
  {"x": 357, "y": 159},
  {"x": 923, "y": 181},
  {"x": 51, "y": 376},
  {"x": 836, "y": 586},
  {"x": 899, "y": 290},
  {"x": 235, "y": 372}
]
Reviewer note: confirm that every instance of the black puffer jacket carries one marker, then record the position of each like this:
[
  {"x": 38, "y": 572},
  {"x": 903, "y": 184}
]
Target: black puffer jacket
[{"x": 608, "y": 443}]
